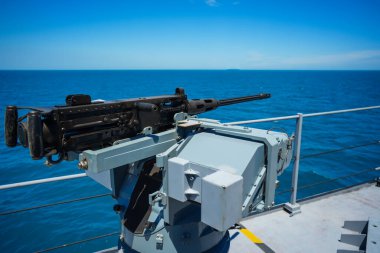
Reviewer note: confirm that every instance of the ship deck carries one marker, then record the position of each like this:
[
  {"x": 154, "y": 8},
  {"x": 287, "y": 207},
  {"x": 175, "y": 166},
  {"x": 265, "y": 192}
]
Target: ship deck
[{"x": 316, "y": 229}]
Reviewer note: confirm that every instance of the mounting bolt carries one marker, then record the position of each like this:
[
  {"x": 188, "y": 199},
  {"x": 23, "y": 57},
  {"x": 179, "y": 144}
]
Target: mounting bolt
[
  {"x": 117, "y": 208},
  {"x": 83, "y": 164},
  {"x": 160, "y": 239}
]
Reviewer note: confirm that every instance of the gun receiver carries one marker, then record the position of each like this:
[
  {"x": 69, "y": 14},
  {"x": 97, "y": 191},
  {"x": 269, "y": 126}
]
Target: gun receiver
[{"x": 83, "y": 124}]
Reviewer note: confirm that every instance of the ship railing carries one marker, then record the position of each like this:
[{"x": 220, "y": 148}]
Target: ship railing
[{"x": 292, "y": 205}]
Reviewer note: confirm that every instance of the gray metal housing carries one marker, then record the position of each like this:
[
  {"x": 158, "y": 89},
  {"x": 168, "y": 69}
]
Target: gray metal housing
[{"x": 212, "y": 176}]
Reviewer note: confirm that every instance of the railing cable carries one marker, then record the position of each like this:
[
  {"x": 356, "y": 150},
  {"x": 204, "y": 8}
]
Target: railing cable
[
  {"x": 330, "y": 180},
  {"x": 54, "y": 204},
  {"x": 42, "y": 181},
  {"x": 78, "y": 242},
  {"x": 302, "y": 187},
  {"x": 340, "y": 149}
]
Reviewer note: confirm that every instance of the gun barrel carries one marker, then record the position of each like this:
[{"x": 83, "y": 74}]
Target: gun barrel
[{"x": 231, "y": 101}]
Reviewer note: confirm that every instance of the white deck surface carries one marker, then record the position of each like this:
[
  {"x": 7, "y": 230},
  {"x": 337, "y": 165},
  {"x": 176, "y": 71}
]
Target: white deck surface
[{"x": 317, "y": 229}]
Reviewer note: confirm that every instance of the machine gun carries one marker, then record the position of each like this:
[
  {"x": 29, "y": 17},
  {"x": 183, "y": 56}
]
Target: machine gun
[{"x": 82, "y": 124}]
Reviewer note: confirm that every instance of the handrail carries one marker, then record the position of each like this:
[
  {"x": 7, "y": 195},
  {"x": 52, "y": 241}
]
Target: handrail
[
  {"x": 68, "y": 177},
  {"x": 41, "y": 181},
  {"x": 297, "y": 155},
  {"x": 377, "y": 142},
  {"x": 304, "y": 115},
  {"x": 292, "y": 206},
  {"x": 341, "y": 111},
  {"x": 293, "y": 190}
]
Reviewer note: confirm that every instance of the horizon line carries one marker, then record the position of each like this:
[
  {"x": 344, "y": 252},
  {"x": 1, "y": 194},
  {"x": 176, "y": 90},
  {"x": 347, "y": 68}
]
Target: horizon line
[{"x": 189, "y": 69}]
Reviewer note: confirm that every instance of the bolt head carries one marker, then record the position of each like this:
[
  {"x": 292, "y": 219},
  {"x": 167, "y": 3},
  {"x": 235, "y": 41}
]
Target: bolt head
[{"x": 83, "y": 164}]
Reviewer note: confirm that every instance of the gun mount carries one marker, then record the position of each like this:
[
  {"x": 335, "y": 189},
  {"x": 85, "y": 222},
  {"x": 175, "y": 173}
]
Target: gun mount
[
  {"x": 182, "y": 189},
  {"x": 180, "y": 182},
  {"x": 82, "y": 124}
]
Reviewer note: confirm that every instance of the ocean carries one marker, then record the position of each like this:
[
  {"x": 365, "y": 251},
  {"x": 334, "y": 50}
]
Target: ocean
[{"x": 292, "y": 92}]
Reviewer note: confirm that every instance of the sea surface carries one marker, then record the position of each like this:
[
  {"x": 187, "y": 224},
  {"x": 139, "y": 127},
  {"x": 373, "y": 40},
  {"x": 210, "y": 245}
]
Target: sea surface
[{"x": 292, "y": 92}]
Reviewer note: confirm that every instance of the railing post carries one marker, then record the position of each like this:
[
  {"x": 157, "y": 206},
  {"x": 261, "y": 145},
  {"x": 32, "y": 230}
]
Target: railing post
[{"x": 293, "y": 207}]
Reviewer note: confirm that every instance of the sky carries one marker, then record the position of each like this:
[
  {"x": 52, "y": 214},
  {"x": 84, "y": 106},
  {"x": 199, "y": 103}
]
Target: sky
[{"x": 190, "y": 34}]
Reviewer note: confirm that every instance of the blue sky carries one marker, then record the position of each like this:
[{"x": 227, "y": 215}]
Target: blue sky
[{"x": 190, "y": 34}]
